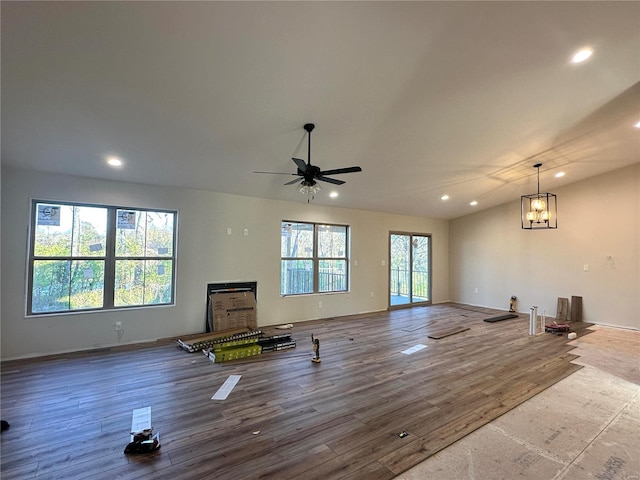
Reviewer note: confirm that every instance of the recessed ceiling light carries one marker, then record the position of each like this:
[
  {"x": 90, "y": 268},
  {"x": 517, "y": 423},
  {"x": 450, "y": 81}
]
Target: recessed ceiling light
[
  {"x": 559, "y": 174},
  {"x": 333, "y": 194},
  {"x": 444, "y": 197},
  {"x": 581, "y": 55},
  {"x": 474, "y": 203},
  {"x": 637, "y": 125},
  {"x": 114, "y": 161}
]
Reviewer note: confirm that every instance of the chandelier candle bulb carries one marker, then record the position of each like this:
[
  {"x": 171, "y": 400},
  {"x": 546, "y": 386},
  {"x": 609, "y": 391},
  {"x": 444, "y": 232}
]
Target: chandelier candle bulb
[{"x": 538, "y": 204}]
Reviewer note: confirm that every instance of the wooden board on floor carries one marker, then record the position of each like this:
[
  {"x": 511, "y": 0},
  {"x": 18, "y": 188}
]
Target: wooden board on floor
[
  {"x": 562, "y": 311},
  {"x": 576, "y": 308},
  {"x": 447, "y": 332}
]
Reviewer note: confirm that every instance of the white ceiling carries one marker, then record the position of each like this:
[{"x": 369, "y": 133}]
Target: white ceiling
[{"x": 428, "y": 98}]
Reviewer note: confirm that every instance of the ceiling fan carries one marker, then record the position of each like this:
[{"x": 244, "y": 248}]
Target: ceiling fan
[{"x": 308, "y": 174}]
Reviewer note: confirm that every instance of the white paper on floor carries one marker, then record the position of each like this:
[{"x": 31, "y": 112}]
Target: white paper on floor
[
  {"x": 414, "y": 349},
  {"x": 140, "y": 420},
  {"x": 224, "y": 391}
]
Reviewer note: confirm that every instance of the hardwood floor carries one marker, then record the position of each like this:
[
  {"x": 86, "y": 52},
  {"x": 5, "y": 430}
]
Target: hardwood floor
[{"x": 287, "y": 418}]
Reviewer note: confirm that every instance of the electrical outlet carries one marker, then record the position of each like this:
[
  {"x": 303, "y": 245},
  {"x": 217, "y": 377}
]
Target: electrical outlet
[
  {"x": 319, "y": 304},
  {"x": 371, "y": 294},
  {"x": 118, "y": 326},
  {"x": 475, "y": 290}
]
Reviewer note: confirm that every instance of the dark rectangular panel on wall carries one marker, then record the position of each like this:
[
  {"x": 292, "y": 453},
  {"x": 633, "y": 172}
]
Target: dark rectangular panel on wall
[{"x": 226, "y": 287}]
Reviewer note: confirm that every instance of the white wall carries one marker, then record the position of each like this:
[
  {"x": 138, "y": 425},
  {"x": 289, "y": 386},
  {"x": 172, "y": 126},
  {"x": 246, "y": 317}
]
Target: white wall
[
  {"x": 597, "y": 218},
  {"x": 206, "y": 254}
]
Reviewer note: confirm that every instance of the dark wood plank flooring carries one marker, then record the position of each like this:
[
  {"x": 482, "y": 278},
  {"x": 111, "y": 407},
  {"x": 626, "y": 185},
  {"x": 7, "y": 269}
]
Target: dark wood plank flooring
[{"x": 287, "y": 418}]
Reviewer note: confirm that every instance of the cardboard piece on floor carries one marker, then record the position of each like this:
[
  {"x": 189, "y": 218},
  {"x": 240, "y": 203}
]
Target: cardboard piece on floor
[
  {"x": 140, "y": 420},
  {"x": 413, "y": 349},
  {"x": 448, "y": 332},
  {"x": 224, "y": 391}
]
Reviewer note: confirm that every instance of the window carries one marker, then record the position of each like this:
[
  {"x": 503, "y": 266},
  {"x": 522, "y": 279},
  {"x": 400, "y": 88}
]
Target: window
[
  {"x": 314, "y": 258},
  {"x": 87, "y": 257}
]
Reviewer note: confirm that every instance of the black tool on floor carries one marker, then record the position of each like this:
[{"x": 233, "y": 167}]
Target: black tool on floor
[
  {"x": 512, "y": 303},
  {"x": 316, "y": 349},
  {"x": 143, "y": 442}
]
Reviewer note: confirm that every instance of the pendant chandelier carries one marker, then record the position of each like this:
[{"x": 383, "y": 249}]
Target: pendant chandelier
[{"x": 539, "y": 210}]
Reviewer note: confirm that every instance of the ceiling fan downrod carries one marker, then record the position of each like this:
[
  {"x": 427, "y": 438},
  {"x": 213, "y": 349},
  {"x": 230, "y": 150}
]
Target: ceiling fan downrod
[{"x": 309, "y": 128}]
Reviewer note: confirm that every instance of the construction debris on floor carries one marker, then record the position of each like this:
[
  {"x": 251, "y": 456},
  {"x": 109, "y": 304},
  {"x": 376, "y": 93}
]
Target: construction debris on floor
[
  {"x": 447, "y": 332},
  {"x": 143, "y": 440},
  {"x": 501, "y": 318},
  {"x": 197, "y": 343},
  {"x": 236, "y": 343}
]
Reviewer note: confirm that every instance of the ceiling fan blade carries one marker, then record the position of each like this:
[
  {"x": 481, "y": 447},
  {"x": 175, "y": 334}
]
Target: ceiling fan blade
[
  {"x": 293, "y": 181},
  {"x": 341, "y": 170},
  {"x": 277, "y": 173},
  {"x": 329, "y": 180},
  {"x": 302, "y": 166}
]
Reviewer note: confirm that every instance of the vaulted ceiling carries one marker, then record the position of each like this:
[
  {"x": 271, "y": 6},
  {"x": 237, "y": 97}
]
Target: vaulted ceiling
[{"x": 429, "y": 98}]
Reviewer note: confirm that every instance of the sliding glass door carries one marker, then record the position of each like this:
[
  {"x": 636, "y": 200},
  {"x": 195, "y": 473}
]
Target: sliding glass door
[{"x": 409, "y": 269}]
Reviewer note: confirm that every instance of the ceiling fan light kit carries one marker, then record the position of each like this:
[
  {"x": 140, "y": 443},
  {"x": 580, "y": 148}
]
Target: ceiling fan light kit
[
  {"x": 309, "y": 188},
  {"x": 307, "y": 185},
  {"x": 539, "y": 210}
]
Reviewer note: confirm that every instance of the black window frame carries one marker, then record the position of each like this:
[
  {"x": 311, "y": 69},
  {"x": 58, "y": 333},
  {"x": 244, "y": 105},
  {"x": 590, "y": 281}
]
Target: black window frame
[
  {"x": 110, "y": 258},
  {"x": 315, "y": 259}
]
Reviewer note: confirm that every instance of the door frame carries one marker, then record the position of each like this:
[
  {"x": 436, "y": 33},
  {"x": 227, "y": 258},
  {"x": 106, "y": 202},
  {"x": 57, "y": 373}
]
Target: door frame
[{"x": 411, "y": 303}]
